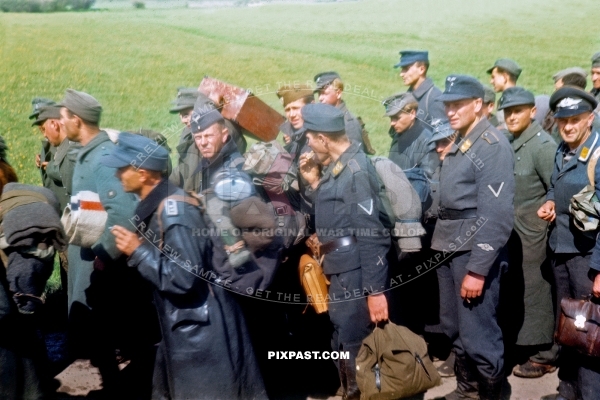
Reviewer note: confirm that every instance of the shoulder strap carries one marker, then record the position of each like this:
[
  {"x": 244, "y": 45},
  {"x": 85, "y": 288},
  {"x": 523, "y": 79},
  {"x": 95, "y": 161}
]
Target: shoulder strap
[
  {"x": 591, "y": 167},
  {"x": 427, "y": 101},
  {"x": 176, "y": 197}
]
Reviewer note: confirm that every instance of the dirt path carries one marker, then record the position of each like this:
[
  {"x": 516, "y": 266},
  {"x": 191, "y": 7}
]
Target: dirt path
[{"x": 81, "y": 377}]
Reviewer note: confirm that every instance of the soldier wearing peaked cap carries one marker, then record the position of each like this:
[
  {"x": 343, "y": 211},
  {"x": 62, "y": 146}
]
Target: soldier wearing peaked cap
[
  {"x": 346, "y": 200},
  {"x": 534, "y": 161},
  {"x": 109, "y": 305},
  {"x": 330, "y": 88},
  {"x": 474, "y": 223},
  {"x": 573, "y": 237},
  {"x": 294, "y": 98},
  {"x": 413, "y": 66}
]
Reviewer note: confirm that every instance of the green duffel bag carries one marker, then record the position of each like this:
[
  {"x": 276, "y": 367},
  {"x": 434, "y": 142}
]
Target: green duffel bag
[{"x": 393, "y": 364}]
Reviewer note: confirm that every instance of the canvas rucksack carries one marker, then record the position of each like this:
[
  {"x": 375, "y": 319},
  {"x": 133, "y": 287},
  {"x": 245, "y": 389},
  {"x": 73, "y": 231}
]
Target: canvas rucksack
[
  {"x": 274, "y": 174},
  {"x": 393, "y": 363}
]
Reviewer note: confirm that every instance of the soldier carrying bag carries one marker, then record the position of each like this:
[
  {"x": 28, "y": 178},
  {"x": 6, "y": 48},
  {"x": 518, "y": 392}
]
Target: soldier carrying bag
[
  {"x": 393, "y": 363},
  {"x": 312, "y": 277},
  {"x": 585, "y": 207},
  {"x": 579, "y": 326}
]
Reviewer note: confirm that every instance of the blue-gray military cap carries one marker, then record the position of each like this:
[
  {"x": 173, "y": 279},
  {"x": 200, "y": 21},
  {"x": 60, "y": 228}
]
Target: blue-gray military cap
[
  {"x": 137, "y": 151},
  {"x": 507, "y": 65},
  {"x": 408, "y": 57},
  {"x": 396, "y": 102},
  {"x": 38, "y": 103},
  {"x": 515, "y": 96},
  {"x": 596, "y": 60},
  {"x": 568, "y": 101},
  {"x": 460, "y": 87},
  {"x": 322, "y": 118},
  {"x": 441, "y": 130},
  {"x": 325, "y": 78},
  {"x": 204, "y": 116},
  {"x": 186, "y": 98}
]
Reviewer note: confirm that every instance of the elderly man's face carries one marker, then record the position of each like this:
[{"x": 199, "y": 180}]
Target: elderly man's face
[
  {"x": 575, "y": 130},
  {"x": 596, "y": 77},
  {"x": 211, "y": 140},
  {"x": 462, "y": 113},
  {"x": 51, "y": 131}
]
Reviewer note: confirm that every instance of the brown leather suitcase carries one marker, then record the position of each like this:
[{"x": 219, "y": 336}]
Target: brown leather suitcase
[
  {"x": 241, "y": 106},
  {"x": 579, "y": 326},
  {"x": 314, "y": 283}
]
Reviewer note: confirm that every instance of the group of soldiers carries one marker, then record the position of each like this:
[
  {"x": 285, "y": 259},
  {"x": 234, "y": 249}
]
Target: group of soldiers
[{"x": 500, "y": 244}]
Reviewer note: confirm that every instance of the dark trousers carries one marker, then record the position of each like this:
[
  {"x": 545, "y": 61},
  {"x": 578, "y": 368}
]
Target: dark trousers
[
  {"x": 579, "y": 375},
  {"x": 473, "y": 327},
  {"x": 351, "y": 321}
]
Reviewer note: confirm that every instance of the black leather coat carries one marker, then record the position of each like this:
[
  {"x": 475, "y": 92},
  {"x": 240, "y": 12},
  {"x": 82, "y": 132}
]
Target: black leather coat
[{"x": 205, "y": 352}]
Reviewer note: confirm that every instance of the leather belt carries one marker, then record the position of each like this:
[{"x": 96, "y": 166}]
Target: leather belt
[
  {"x": 448, "y": 213},
  {"x": 335, "y": 244}
]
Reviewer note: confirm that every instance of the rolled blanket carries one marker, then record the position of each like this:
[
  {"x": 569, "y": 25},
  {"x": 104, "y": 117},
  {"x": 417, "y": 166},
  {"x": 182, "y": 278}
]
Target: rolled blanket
[{"x": 84, "y": 219}]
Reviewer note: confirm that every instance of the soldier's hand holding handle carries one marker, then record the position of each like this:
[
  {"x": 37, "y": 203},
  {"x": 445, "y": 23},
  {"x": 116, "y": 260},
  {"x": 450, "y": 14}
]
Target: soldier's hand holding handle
[
  {"x": 309, "y": 169},
  {"x": 472, "y": 286},
  {"x": 125, "y": 240},
  {"x": 378, "y": 307},
  {"x": 547, "y": 212},
  {"x": 287, "y": 138}
]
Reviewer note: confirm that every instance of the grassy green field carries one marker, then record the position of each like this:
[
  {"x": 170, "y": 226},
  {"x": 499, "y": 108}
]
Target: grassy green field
[{"x": 132, "y": 60}]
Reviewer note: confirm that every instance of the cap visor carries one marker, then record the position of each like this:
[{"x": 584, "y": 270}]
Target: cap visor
[
  {"x": 38, "y": 122},
  {"x": 176, "y": 109},
  {"x": 489, "y": 71},
  {"x": 516, "y": 103},
  {"x": 564, "y": 113},
  {"x": 114, "y": 162}
]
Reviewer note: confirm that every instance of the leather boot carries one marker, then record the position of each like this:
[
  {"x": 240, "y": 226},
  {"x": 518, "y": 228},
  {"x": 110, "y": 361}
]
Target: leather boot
[
  {"x": 466, "y": 381},
  {"x": 343, "y": 380},
  {"x": 490, "y": 389},
  {"x": 352, "y": 391}
]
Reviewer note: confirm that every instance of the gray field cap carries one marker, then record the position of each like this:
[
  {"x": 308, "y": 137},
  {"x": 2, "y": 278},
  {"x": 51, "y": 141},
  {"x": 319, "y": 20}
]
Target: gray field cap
[
  {"x": 515, "y": 96},
  {"x": 596, "y": 60},
  {"x": 568, "y": 71},
  {"x": 508, "y": 65},
  {"x": 395, "y": 103},
  {"x": 83, "y": 105},
  {"x": 47, "y": 112}
]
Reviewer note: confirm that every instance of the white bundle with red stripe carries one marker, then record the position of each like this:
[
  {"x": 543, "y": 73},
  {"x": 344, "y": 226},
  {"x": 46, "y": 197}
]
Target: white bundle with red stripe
[{"x": 84, "y": 219}]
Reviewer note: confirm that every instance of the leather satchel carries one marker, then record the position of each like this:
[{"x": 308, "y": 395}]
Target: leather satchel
[
  {"x": 314, "y": 283},
  {"x": 579, "y": 326}
]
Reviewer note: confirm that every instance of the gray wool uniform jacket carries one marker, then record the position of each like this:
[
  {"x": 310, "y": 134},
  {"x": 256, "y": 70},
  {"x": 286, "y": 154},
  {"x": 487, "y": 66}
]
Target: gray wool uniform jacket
[{"x": 477, "y": 177}]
